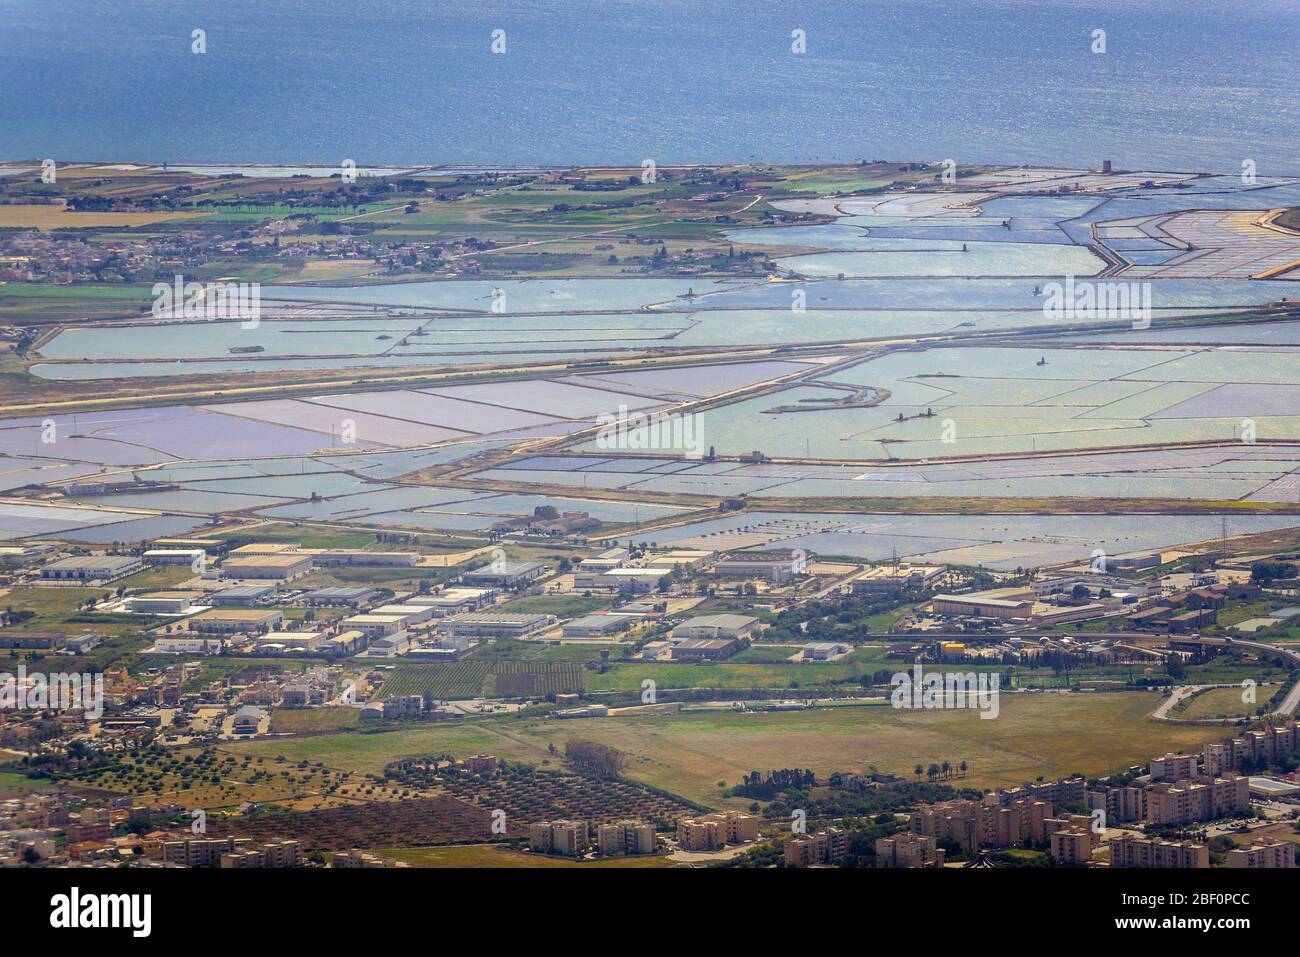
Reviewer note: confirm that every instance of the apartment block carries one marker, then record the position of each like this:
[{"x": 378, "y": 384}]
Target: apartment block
[
  {"x": 273, "y": 854},
  {"x": 1175, "y": 767},
  {"x": 1264, "y": 852},
  {"x": 203, "y": 852},
  {"x": 973, "y": 825},
  {"x": 908, "y": 850},
  {"x": 1131, "y": 851},
  {"x": 823, "y": 847},
  {"x": 1200, "y": 799},
  {"x": 1266, "y": 746},
  {"x": 1072, "y": 845},
  {"x": 625, "y": 837},
  {"x": 713, "y": 831},
  {"x": 559, "y": 837},
  {"x": 1121, "y": 805}
]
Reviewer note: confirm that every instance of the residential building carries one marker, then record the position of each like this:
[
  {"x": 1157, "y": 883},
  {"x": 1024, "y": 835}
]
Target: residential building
[
  {"x": 1132, "y": 851},
  {"x": 1264, "y": 852},
  {"x": 559, "y": 837},
  {"x": 625, "y": 837},
  {"x": 823, "y": 847},
  {"x": 908, "y": 850},
  {"x": 1200, "y": 799},
  {"x": 1174, "y": 767},
  {"x": 1072, "y": 845}
]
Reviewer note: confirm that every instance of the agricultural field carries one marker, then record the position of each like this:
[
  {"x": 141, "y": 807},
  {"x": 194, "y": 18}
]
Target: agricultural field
[
  {"x": 415, "y": 821},
  {"x": 532, "y": 795},
  {"x": 476, "y": 677},
  {"x": 206, "y": 778},
  {"x": 688, "y": 754},
  {"x": 498, "y": 856}
]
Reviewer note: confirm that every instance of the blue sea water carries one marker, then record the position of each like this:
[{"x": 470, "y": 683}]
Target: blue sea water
[{"x": 1183, "y": 84}]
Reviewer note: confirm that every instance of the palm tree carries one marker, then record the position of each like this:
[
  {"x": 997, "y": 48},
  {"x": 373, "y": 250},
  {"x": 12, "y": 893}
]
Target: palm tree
[
  {"x": 963, "y": 767},
  {"x": 918, "y": 771},
  {"x": 947, "y": 769}
]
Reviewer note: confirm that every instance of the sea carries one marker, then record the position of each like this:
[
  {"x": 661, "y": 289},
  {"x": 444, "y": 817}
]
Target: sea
[{"x": 1199, "y": 85}]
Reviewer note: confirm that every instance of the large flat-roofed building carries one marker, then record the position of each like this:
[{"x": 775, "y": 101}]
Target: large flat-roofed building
[
  {"x": 594, "y": 626},
  {"x": 188, "y": 646},
  {"x": 1132, "y": 851},
  {"x": 638, "y": 581},
  {"x": 887, "y": 578},
  {"x": 282, "y": 567},
  {"x": 677, "y": 558},
  {"x": 454, "y": 601},
  {"x": 176, "y": 556},
  {"x": 161, "y": 603},
  {"x": 241, "y": 596},
  {"x": 496, "y": 623},
  {"x": 707, "y": 649},
  {"x": 232, "y": 621},
  {"x": 1201, "y": 799},
  {"x": 778, "y": 566},
  {"x": 344, "y": 643},
  {"x": 410, "y": 614},
  {"x": 292, "y": 642},
  {"x": 504, "y": 574},
  {"x": 213, "y": 546},
  {"x": 715, "y": 626},
  {"x": 374, "y": 626},
  {"x": 976, "y": 606},
  {"x": 1264, "y": 852},
  {"x": 353, "y": 597},
  {"x": 38, "y": 640},
  {"x": 86, "y": 568}
]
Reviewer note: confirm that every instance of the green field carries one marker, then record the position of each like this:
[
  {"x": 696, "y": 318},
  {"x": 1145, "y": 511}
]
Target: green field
[
  {"x": 1223, "y": 703},
  {"x": 688, "y": 754}
]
